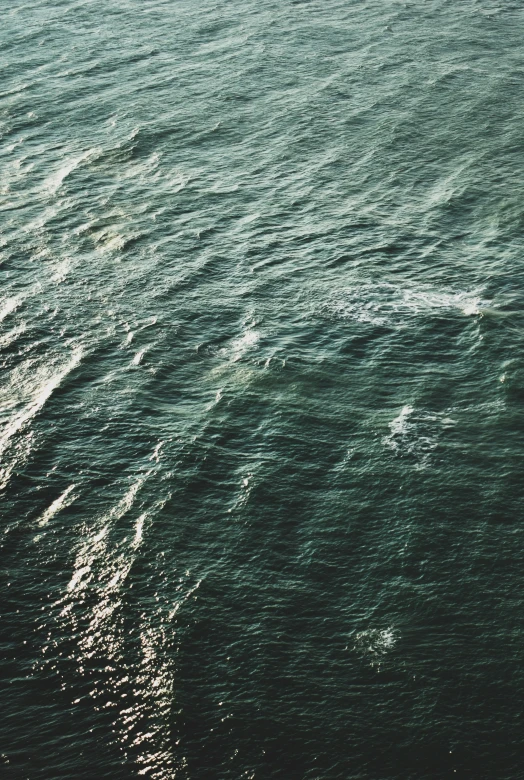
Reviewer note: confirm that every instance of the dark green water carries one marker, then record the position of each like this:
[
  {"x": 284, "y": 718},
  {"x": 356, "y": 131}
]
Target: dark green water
[{"x": 262, "y": 387}]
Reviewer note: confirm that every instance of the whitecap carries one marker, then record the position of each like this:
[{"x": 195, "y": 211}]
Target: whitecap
[
  {"x": 415, "y": 433},
  {"x": 63, "y": 501},
  {"x": 239, "y": 347},
  {"x": 374, "y": 643},
  {"x": 11, "y": 336},
  {"x": 54, "y": 182},
  {"x": 392, "y": 304},
  {"x": 139, "y": 356},
  {"x": 8, "y": 306}
]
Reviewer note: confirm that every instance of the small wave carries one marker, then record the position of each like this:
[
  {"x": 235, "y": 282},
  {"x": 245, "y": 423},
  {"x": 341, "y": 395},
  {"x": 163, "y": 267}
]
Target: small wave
[
  {"x": 128, "y": 339},
  {"x": 118, "y": 242},
  {"x": 54, "y": 182},
  {"x": 238, "y": 347},
  {"x": 96, "y": 550},
  {"x": 390, "y": 304},
  {"x": 243, "y": 493},
  {"x": 415, "y": 433},
  {"x": 63, "y": 501},
  {"x": 374, "y": 643},
  {"x": 8, "y": 306},
  {"x": 12, "y": 336},
  {"x": 139, "y": 356},
  {"x": 19, "y": 455},
  {"x": 156, "y": 454},
  {"x": 42, "y": 394}
]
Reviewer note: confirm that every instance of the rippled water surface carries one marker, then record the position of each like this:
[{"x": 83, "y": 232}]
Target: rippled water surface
[{"x": 261, "y": 390}]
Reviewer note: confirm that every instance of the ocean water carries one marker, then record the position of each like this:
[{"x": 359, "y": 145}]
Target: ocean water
[{"x": 262, "y": 389}]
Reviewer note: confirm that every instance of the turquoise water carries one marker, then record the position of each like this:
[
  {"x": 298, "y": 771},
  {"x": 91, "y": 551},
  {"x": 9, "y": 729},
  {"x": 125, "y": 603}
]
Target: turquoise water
[{"x": 261, "y": 401}]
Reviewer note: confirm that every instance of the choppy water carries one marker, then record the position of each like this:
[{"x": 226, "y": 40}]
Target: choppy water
[{"x": 262, "y": 386}]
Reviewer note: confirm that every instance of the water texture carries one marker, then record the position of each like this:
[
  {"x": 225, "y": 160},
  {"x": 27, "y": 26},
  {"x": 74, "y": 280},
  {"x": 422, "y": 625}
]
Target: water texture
[{"x": 261, "y": 390}]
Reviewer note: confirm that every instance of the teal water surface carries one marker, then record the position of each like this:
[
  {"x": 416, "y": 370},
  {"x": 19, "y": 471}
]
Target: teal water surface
[{"x": 262, "y": 387}]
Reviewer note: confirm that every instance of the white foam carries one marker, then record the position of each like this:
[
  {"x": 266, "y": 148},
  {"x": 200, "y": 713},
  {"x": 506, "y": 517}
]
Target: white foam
[
  {"x": 400, "y": 425},
  {"x": 139, "y": 530},
  {"x": 139, "y": 356},
  {"x": 115, "y": 243},
  {"x": 247, "y": 341},
  {"x": 415, "y": 433},
  {"x": 156, "y": 452},
  {"x": 390, "y": 304},
  {"x": 55, "y": 181},
  {"x": 8, "y": 306},
  {"x": 376, "y": 643},
  {"x": 61, "y": 271}
]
